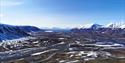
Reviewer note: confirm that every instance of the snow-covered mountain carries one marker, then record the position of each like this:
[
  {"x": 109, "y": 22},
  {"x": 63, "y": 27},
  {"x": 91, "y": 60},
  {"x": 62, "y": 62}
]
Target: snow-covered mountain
[
  {"x": 8, "y": 32},
  {"x": 116, "y": 25},
  {"x": 123, "y": 26},
  {"x": 93, "y": 26},
  {"x": 110, "y": 25}
]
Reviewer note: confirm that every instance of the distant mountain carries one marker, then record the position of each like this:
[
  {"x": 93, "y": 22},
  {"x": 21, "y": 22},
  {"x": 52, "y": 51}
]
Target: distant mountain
[
  {"x": 116, "y": 25},
  {"x": 8, "y": 32},
  {"x": 110, "y": 25},
  {"x": 112, "y": 29},
  {"x": 56, "y": 29},
  {"x": 96, "y": 26},
  {"x": 30, "y": 28},
  {"x": 106, "y": 34},
  {"x": 87, "y": 25},
  {"x": 123, "y": 26},
  {"x": 93, "y": 26}
]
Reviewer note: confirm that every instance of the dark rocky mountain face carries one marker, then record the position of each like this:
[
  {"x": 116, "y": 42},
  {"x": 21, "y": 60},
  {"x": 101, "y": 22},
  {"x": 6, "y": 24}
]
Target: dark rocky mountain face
[
  {"x": 96, "y": 26},
  {"x": 13, "y": 32}
]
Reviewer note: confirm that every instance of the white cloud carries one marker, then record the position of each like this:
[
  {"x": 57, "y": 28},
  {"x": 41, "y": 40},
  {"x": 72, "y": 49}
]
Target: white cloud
[
  {"x": 1, "y": 15},
  {"x": 6, "y": 3}
]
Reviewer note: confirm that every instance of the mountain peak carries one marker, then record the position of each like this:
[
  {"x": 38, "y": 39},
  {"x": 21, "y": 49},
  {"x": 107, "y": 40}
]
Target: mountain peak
[{"x": 93, "y": 26}]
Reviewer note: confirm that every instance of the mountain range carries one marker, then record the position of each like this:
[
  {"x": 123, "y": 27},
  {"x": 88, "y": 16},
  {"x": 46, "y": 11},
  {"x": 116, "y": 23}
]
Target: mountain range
[
  {"x": 110, "y": 25},
  {"x": 8, "y": 32}
]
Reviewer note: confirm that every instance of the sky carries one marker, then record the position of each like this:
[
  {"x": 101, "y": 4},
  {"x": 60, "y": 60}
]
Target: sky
[{"x": 61, "y": 13}]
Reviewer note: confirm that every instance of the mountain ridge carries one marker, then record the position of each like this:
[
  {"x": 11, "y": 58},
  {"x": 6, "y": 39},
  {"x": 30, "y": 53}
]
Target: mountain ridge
[
  {"x": 9, "y": 32},
  {"x": 110, "y": 25}
]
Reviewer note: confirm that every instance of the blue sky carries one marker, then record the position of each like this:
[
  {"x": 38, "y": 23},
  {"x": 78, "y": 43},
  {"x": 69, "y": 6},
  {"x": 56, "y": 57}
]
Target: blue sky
[{"x": 61, "y": 13}]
